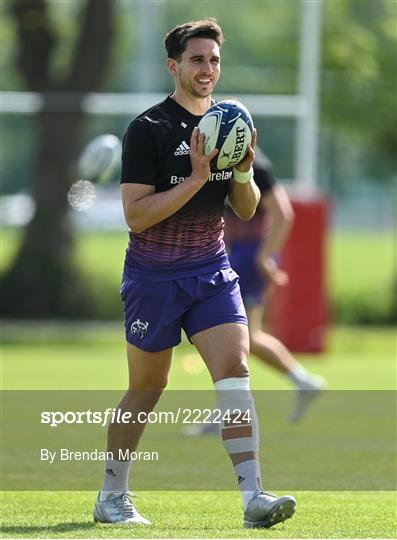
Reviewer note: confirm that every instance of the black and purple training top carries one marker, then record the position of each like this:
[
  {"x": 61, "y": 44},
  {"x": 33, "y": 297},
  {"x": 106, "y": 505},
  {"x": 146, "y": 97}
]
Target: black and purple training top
[{"x": 156, "y": 152}]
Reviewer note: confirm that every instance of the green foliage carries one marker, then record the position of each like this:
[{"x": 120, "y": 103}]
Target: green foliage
[
  {"x": 11, "y": 78},
  {"x": 357, "y": 86},
  {"x": 260, "y": 60},
  {"x": 65, "y": 17},
  {"x": 359, "y": 79}
]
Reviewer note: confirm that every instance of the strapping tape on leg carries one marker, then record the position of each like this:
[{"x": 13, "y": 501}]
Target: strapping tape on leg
[{"x": 234, "y": 397}]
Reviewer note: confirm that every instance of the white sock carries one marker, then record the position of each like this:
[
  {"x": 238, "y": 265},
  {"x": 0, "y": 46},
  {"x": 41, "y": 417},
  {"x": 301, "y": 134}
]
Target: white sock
[
  {"x": 249, "y": 479},
  {"x": 300, "y": 376},
  {"x": 234, "y": 394},
  {"x": 115, "y": 478}
]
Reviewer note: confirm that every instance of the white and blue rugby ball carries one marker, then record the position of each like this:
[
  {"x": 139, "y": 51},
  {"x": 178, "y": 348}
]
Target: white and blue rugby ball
[
  {"x": 100, "y": 159},
  {"x": 227, "y": 126}
]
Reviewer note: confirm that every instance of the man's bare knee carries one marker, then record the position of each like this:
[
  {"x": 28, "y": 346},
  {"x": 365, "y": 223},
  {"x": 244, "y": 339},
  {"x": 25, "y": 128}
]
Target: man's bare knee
[
  {"x": 147, "y": 370},
  {"x": 149, "y": 382},
  {"x": 239, "y": 369},
  {"x": 232, "y": 368}
]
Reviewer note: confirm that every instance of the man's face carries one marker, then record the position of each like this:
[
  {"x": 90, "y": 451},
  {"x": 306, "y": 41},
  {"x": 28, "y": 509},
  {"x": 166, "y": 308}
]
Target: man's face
[{"x": 198, "y": 69}]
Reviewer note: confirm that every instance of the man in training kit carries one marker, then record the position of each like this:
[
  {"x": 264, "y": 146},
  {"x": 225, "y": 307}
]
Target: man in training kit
[{"x": 177, "y": 274}]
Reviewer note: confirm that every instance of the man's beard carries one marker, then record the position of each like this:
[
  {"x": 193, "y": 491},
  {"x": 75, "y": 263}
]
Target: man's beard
[{"x": 189, "y": 88}]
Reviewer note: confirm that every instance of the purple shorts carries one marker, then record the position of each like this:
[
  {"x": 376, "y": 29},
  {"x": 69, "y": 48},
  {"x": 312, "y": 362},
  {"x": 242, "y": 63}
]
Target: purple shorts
[{"x": 155, "y": 312}]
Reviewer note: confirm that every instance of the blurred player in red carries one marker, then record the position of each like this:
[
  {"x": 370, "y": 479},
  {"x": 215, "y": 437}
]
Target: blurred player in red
[{"x": 253, "y": 254}]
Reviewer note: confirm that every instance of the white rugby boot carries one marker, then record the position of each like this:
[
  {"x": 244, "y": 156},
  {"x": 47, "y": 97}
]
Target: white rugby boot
[
  {"x": 305, "y": 396},
  {"x": 265, "y": 510},
  {"x": 118, "y": 508}
]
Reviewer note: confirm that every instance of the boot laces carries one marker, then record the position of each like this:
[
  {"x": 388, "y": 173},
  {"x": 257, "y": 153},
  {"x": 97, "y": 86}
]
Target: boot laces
[{"x": 125, "y": 505}]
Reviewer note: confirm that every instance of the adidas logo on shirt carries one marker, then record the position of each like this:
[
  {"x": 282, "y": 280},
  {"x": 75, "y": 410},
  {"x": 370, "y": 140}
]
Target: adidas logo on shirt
[{"x": 182, "y": 150}]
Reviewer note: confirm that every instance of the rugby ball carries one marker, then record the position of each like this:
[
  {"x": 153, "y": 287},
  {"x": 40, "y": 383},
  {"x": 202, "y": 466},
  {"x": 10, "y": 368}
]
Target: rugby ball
[
  {"x": 100, "y": 158},
  {"x": 227, "y": 126}
]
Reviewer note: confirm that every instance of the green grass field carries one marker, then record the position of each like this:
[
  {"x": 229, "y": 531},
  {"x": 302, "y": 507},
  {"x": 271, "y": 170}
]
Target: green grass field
[
  {"x": 37, "y": 356},
  {"x": 91, "y": 356},
  {"x": 62, "y": 356},
  {"x": 200, "y": 515}
]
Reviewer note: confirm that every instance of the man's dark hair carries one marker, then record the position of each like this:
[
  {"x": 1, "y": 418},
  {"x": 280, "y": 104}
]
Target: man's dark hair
[{"x": 176, "y": 39}]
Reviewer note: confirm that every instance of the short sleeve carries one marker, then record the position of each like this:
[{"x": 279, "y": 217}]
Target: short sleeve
[{"x": 139, "y": 159}]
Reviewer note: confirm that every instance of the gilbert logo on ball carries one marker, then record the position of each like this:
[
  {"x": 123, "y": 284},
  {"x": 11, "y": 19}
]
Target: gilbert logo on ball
[
  {"x": 100, "y": 159},
  {"x": 227, "y": 126}
]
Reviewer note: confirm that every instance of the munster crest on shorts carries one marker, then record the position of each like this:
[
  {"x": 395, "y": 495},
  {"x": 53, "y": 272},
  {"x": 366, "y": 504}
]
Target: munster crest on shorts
[{"x": 140, "y": 328}]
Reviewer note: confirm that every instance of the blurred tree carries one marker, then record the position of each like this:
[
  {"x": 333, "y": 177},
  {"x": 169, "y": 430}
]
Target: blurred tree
[
  {"x": 358, "y": 74},
  {"x": 262, "y": 40},
  {"x": 358, "y": 80},
  {"x": 43, "y": 281}
]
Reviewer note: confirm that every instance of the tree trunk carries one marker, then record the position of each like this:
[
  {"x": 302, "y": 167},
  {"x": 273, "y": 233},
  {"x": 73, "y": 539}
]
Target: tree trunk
[{"x": 43, "y": 280}]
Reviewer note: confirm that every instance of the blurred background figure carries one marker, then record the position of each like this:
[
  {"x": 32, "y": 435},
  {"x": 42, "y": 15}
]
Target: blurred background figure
[
  {"x": 254, "y": 252},
  {"x": 254, "y": 248}
]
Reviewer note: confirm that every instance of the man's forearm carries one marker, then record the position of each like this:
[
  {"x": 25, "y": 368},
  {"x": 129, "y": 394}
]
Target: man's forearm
[
  {"x": 244, "y": 199},
  {"x": 276, "y": 236},
  {"x": 156, "y": 207},
  {"x": 279, "y": 208}
]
